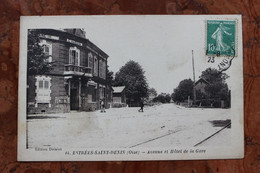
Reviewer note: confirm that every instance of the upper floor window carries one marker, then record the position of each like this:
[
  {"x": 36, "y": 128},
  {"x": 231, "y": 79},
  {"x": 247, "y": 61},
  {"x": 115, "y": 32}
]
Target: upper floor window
[
  {"x": 90, "y": 60},
  {"x": 74, "y": 56},
  {"x": 105, "y": 70},
  {"x": 47, "y": 49},
  {"x": 95, "y": 66},
  {"x": 102, "y": 69}
]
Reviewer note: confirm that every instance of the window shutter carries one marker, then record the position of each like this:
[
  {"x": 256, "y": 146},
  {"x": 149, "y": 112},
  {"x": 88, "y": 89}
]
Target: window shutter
[
  {"x": 46, "y": 84},
  {"x": 47, "y": 50},
  {"x": 40, "y": 84},
  {"x": 90, "y": 60},
  {"x": 70, "y": 56},
  {"x": 73, "y": 57},
  {"x": 76, "y": 58},
  {"x": 104, "y": 70}
]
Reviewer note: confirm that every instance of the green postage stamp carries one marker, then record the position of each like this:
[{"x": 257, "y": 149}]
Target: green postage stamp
[{"x": 221, "y": 38}]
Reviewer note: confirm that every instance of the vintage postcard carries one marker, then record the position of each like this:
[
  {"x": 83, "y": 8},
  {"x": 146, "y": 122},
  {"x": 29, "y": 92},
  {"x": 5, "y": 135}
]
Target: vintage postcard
[{"x": 142, "y": 87}]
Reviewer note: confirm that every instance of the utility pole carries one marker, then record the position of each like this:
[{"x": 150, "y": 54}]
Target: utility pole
[{"x": 194, "y": 91}]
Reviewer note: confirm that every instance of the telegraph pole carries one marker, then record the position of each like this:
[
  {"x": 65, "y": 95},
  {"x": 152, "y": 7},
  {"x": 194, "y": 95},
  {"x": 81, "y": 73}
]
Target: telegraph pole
[{"x": 194, "y": 91}]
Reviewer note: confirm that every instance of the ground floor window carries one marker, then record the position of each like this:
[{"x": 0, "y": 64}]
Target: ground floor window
[
  {"x": 94, "y": 98},
  {"x": 92, "y": 91},
  {"x": 92, "y": 95},
  {"x": 43, "y": 90},
  {"x": 102, "y": 91}
]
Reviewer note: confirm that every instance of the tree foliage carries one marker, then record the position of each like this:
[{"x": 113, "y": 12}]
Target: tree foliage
[
  {"x": 110, "y": 77},
  {"x": 131, "y": 75},
  {"x": 163, "y": 98},
  {"x": 183, "y": 91},
  {"x": 152, "y": 92},
  {"x": 37, "y": 60},
  {"x": 217, "y": 87},
  {"x": 213, "y": 75}
]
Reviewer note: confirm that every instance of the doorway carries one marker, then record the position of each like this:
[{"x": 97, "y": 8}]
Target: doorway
[{"x": 74, "y": 99}]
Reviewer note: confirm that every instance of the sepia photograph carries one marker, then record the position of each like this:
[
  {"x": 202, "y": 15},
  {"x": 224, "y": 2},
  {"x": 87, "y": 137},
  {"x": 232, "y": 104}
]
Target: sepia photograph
[{"x": 130, "y": 88}]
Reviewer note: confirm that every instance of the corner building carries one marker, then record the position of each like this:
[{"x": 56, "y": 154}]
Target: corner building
[{"x": 78, "y": 78}]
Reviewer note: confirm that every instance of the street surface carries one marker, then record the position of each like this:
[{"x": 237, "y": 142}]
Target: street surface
[{"x": 163, "y": 125}]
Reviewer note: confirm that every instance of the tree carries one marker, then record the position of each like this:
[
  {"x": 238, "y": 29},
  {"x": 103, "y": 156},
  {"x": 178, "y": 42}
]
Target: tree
[
  {"x": 201, "y": 95},
  {"x": 167, "y": 98},
  {"x": 217, "y": 89},
  {"x": 212, "y": 75},
  {"x": 37, "y": 60},
  {"x": 152, "y": 92},
  {"x": 131, "y": 75},
  {"x": 110, "y": 77},
  {"x": 183, "y": 91},
  {"x": 163, "y": 98}
]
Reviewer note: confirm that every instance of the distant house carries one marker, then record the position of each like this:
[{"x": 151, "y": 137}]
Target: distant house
[
  {"x": 200, "y": 85},
  {"x": 119, "y": 95},
  {"x": 203, "y": 98}
]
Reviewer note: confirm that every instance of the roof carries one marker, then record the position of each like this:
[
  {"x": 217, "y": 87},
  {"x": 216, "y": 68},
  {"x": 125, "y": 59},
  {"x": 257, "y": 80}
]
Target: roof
[
  {"x": 118, "y": 89},
  {"x": 202, "y": 80}
]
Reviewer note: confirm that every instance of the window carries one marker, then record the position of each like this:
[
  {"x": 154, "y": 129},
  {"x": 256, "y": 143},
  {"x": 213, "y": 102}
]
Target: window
[
  {"x": 74, "y": 56},
  {"x": 102, "y": 69},
  {"x": 92, "y": 91},
  {"x": 47, "y": 49},
  {"x": 94, "y": 98},
  {"x": 90, "y": 97},
  {"x": 101, "y": 91},
  {"x": 41, "y": 84},
  {"x": 95, "y": 66},
  {"x": 43, "y": 90},
  {"x": 46, "y": 84},
  {"x": 90, "y": 60}
]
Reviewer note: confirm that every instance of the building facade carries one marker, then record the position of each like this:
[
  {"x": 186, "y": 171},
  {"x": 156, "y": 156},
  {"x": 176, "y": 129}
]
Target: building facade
[
  {"x": 119, "y": 95},
  {"x": 203, "y": 98},
  {"x": 78, "y": 78},
  {"x": 200, "y": 85}
]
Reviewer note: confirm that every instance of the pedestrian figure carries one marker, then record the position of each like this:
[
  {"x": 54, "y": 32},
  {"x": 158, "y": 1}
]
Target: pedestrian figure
[
  {"x": 102, "y": 104},
  {"x": 142, "y": 106}
]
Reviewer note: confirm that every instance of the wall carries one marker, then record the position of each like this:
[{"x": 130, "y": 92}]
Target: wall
[
  {"x": 59, "y": 97},
  {"x": 201, "y": 87}
]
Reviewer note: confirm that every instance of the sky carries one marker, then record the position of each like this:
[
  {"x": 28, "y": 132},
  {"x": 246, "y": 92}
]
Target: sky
[{"x": 162, "y": 45}]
